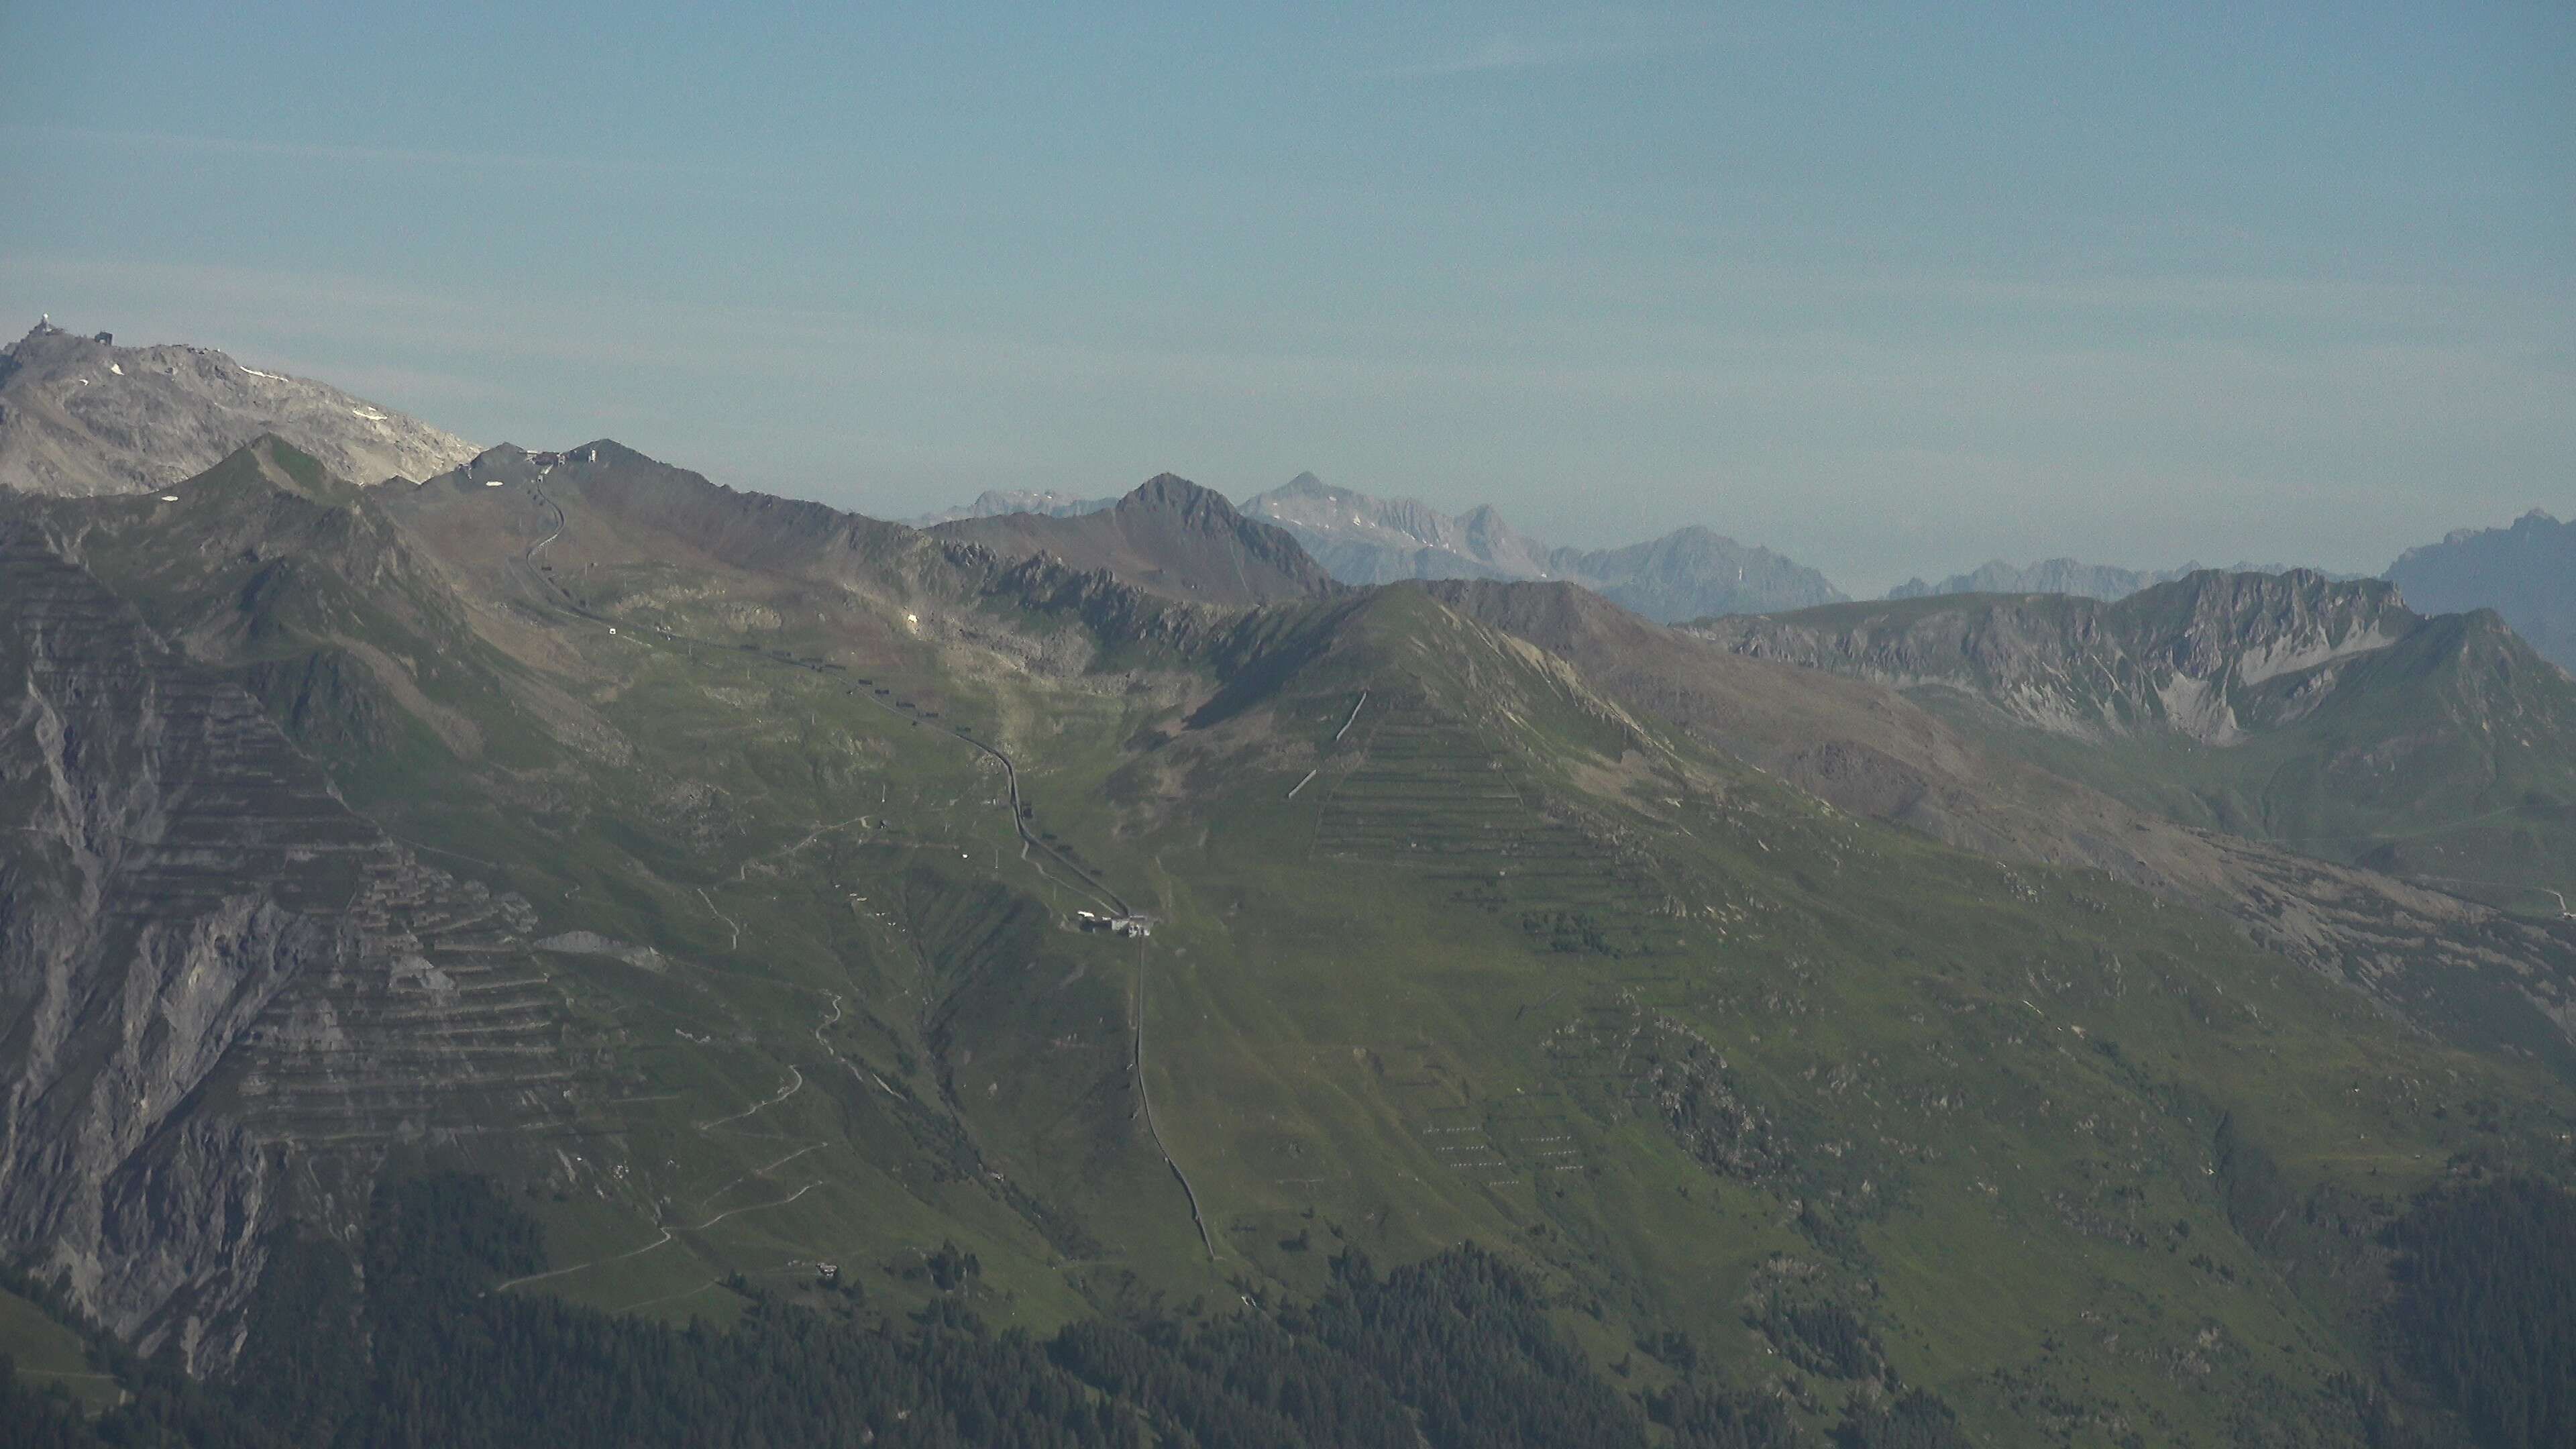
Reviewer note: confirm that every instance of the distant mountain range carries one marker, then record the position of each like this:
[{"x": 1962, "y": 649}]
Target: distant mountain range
[
  {"x": 80, "y": 416},
  {"x": 999, "y": 502},
  {"x": 1690, "y": 573},
  {"x": 2107, "y": 582},
  {"x": 2527, "y": 573}
]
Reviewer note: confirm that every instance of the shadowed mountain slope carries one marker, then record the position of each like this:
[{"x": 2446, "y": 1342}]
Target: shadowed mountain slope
[
  {"x": 2526, "y": 573},
  {"x": 80, "y": 416}
]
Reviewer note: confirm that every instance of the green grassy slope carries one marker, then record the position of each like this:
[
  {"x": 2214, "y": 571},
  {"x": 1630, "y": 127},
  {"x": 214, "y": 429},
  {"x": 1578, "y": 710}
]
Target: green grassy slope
[
  {"x": 1447, "y": 947},
  {"x": 48, "y": 1355},
  {"x": 1781, "y": 1053}
]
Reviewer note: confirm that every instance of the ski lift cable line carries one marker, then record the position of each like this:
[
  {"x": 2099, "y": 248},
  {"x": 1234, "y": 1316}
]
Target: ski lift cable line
[{"x": 1354, "y": 717}]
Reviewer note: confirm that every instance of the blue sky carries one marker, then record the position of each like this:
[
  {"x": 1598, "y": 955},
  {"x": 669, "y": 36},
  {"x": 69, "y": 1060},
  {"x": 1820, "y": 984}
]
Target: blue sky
[{"x": 1893, "y": 290}]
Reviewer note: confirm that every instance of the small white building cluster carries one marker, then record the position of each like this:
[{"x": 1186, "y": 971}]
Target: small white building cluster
[{"x": 1129, "y": 926}]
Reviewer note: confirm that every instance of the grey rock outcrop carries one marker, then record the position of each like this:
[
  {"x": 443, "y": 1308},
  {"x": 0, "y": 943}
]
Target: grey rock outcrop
[
  {"x": 80, "y": 416},
  {"x": 2191, "y": 656}
]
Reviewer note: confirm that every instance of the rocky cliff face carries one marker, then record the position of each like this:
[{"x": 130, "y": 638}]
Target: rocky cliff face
[
  {"x": 219, "y": 989},
  {"x": 80, "y": 417},
  {"x": 2192, "y": 656}
]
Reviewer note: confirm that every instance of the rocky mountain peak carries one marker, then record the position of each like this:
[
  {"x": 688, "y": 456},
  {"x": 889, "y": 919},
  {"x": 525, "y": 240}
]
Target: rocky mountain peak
[
  {"x": 80, "y": 415},
  {"x": 1170, "y": 536},
  {"x": 2260, "y": 626},
  {"x": 1172, "y": 493}
]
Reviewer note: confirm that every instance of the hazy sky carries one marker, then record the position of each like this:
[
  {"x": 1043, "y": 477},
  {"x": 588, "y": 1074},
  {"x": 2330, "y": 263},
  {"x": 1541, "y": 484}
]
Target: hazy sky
[{"x": 1892, "y": 290}]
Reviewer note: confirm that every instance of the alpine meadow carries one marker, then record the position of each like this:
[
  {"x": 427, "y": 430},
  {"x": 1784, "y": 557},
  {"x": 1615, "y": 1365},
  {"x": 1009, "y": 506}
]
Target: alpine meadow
[{"x": 513, "y": 943}]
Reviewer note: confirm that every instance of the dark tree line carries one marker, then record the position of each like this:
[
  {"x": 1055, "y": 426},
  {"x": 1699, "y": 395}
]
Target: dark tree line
[
  {"x": 30, "y": 1419},
  {"x": 1453, "y": 1352},
  {"x": 2486, "y": 1308},
  {"x": 1912, "y": 1420}
]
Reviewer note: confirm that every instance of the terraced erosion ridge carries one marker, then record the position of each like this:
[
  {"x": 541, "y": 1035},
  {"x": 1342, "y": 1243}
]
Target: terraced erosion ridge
[
  {"x": 215, "y": 964},
  {"x": 721, "y": 880}
]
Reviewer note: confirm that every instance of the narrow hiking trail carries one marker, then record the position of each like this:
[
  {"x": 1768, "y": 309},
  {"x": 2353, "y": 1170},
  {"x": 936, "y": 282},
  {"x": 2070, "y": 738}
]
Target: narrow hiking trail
[
  {"x": 863, "y": 1078},
  {"x": 668, "y": 1233},
  {"x": 1153, "y": 1129},
  {"x": 795, "y": 1084},
  {"x": 721, "y": 916},
  {"x": 707, "y": 1198}
]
